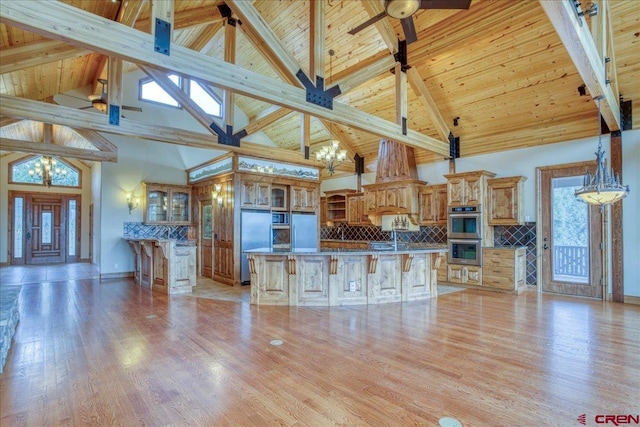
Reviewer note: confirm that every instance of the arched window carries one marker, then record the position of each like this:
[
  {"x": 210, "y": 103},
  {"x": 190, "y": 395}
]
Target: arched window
[{"x": 44, "y": 170}]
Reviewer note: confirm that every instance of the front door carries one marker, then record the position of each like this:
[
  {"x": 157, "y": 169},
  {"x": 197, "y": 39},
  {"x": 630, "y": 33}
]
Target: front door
[
  {"x": 571, "y": 233},
  {"x": 206, "y": 239},
  {"x": 46, "y": 215},
  {"x": 45, "y": 228}
]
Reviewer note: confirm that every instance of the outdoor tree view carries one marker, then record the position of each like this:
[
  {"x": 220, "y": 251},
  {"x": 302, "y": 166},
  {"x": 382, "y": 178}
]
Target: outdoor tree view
[{"x": 570, "y": 232}]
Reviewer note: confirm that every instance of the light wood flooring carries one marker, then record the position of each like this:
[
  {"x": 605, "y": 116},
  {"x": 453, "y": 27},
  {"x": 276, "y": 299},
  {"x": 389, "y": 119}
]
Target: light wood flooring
[{"x": 109, "y": 353}]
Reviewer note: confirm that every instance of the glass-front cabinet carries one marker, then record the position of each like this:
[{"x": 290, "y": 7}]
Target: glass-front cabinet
[{"x": 166, "y": 204}]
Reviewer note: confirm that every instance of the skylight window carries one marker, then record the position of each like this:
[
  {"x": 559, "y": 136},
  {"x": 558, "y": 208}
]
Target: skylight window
[{"x": 201, "y": 94}]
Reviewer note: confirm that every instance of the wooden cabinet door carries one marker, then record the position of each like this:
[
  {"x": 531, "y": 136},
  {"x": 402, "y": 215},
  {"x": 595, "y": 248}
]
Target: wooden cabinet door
[
  {"x": 353, "y": 212},
  {"x": 180, "y": 206},
  {"x": 263, "y": 195},
  {"x": 456, "y": 191},
  {"x": 362, "y": 212},
  {"x": 156, "y": 205},
  {"x": 440, "y": 204},
  {"x": 473, "y": 191},
  {"x": 455, "y": 273},
  {"x": 426, "y": 203},
  {"x": 505, "y": 200},
  {"x": 472, "y": 275},
  {"x": 247, "y": 194}
]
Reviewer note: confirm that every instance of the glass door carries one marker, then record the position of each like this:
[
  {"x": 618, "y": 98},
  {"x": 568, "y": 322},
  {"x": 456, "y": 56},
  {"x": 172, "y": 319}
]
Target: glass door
[
  {"x": 571, "y": 235},
  {"x": 206, "y": 239}
]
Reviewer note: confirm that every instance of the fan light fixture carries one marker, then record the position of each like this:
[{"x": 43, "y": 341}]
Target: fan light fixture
[
  {"x": 47, "y": 168},
  {"x": 603, "y": 187},
  {"x": 330, "y": 156},
  {"x": 401, "y": 9}
]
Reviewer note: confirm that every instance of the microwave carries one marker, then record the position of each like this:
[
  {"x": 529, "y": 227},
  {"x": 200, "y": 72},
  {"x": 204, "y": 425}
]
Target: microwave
[
  {"x": 465, "y": 251},
  {"x": 280, "y": 218},
  {"x": 464, "y": 222}
]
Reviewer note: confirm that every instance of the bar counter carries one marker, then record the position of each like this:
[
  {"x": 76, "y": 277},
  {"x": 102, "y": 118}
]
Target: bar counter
[{"x": 334, "y": 277}]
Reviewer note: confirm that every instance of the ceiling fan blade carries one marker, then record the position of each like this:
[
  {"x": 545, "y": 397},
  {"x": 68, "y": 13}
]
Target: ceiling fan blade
[
  {"x": 130, "y": 108},
  {"x": 445, "y": 4},
  {"x": 409, "y": 30},
  {"x": 368, "y": 22},
  {"x": 88, "y": 107}
]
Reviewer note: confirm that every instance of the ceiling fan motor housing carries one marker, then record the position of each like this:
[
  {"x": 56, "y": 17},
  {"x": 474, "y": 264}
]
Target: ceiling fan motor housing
[{"x": 400, "y": 9}]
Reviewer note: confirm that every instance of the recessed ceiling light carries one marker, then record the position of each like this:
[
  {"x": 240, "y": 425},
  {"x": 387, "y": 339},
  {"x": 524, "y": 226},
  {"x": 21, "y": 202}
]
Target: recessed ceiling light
[{"x": 276, "y": 342}]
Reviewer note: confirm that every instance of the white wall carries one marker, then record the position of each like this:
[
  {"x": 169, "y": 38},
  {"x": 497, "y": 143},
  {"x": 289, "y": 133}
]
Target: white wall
[
  {"x": 525, "y": 161},
  {"x": 5, "y": 187}
]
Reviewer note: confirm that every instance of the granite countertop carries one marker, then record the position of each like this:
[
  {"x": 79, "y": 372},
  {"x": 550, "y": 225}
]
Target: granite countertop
[
  {"x": 162, "y": 240},
  {"x": 512, "y": 247},
  {"x": 336, "y": 251}
]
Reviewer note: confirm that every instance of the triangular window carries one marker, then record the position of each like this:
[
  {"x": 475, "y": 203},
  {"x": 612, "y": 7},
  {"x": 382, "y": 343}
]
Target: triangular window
[{"x": 44, "y": 170}]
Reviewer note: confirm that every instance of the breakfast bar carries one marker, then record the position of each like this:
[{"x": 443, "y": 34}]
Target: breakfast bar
[{"x": 334, "y": 277}]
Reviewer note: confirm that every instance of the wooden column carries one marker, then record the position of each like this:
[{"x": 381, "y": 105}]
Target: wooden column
[{"x": 617, "y": 270}]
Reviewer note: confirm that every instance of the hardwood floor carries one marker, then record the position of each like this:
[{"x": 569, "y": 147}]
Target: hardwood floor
[{"x": 112, "y": 354}]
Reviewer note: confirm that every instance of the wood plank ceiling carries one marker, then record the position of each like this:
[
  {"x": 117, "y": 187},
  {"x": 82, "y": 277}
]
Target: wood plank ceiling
[{"x": 499, "y": 68}]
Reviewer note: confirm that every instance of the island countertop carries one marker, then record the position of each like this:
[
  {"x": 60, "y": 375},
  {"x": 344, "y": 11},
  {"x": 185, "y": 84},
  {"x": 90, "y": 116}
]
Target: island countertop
[
  {"x": 334, "y": 277},
  {"x": 404, "y": 249}
]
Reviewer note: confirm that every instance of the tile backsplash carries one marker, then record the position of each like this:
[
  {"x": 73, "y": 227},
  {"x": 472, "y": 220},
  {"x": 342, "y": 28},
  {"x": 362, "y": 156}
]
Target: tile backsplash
[{"x": 138, "y": 230}]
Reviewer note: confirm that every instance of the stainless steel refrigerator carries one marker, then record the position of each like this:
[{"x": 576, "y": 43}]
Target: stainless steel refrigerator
[
  {"x": 304, "y": 231},
  {"x": 255, "y": 232}
]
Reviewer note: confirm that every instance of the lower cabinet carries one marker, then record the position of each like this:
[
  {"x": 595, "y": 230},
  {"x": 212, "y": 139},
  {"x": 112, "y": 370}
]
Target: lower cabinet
[
  {"x": 465, "y": 274},
  {"x": 504, "y": 268}
]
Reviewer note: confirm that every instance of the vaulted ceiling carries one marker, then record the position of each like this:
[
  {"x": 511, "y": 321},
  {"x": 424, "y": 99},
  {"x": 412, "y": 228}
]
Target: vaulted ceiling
[{"x": 500, "y": 75}]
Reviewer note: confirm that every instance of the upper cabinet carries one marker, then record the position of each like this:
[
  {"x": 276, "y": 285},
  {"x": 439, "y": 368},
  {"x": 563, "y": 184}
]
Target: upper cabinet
[
  {"x": 255, "y": 194},
  {"x": 304, "y": 199},
  {"x": 432, "y": 201},
  {"x": 337, "y": 204},
  {"x": 279, "y": 197},
  {"x": 356, "y": 212},
  {"x": 467, "y": 189},
  {"x": 166, "y": 204},
  {"x": 506, "y": 200}
]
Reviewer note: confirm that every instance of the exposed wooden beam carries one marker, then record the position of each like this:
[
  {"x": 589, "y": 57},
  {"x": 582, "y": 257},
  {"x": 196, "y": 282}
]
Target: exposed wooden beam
[
  {"x": 98, "y": 141},
  {"x": 401, "y": 94},
  {"x": 114, "y": 88},
  {"x": 181, "y": 96},
  {"x": 83, "y": 29},
  {"x": 430, "y": 106},
  {"x": 316, "y": 42},
  {"x": 37, "y": 53},
  {"x": 583, "y": 52},
  {"x": 188, "y": 18},
  {"x": 47, "y": 133},
  {"x": 383, "y": 26},
  {"x": 230, "y": 57},
  {"x": 363, "y": 72},
  {"x": 8, "y": 121},
  {"x": 267, "y": 117},
  {"x": 56, "y": 150},
  {"x": 56, "y": 114}
]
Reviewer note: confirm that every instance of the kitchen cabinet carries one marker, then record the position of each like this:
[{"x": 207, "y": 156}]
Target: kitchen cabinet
[
  {"x": 323, "y": 211},
  {"x": 337, "y": 204},
  {"x": 166, "y": 204},
  {"x": 506, "y": 200},
  {"x": 432, "y": 201},
  {"x": 356, "y": 212},
  {"x": 304, "y": 199},
  {"x": 464, "y": 274},
  {"x": 279, "y": 197},
  {"x": 504, "y": 268},
  {"x": 398, "y": 197},
  {"x": 467, "y": 189},
  {"x": 255, "y": 194}
]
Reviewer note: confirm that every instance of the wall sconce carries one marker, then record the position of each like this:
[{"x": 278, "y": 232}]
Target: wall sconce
[
  {"x": 216, "y": 194},
  {"x": 132, "y": 201}
]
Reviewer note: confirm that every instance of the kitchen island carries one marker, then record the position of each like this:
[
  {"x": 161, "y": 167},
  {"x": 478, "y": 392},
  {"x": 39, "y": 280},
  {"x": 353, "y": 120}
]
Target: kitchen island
[
  {"x": 165, "y": 265},
  {"x": 334, "y": 277}
]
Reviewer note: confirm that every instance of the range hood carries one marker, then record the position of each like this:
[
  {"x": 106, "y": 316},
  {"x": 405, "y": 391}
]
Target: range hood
[{"x": 396, "y": 189}]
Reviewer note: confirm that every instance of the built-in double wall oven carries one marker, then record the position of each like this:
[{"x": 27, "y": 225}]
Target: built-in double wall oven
[{"x": 464, "y": 227}]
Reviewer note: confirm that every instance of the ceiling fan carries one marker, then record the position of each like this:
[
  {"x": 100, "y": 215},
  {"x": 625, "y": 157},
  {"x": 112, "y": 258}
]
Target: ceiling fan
[
  {"x": 404, "y": 10},
  {"x": 100, "y": 101}
]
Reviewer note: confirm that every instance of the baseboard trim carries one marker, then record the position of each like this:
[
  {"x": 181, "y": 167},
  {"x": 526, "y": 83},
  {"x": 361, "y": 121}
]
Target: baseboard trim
[
  {"x": 628, "y": 299},
  {"x": 122, "y": 275}
]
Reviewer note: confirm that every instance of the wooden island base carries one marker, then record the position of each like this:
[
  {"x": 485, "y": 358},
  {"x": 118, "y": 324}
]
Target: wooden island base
[{"x": 307, "y": 277}]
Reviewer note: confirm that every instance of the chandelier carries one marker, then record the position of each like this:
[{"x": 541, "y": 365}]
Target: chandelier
[
  {"x": 603, "y": 187},
  {"x": 330, "y": 156},
  {"x": 47, "y": 168}
]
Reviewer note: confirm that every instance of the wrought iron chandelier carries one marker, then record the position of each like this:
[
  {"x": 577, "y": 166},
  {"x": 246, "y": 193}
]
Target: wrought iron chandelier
[
  {"x": 47, "y": 168},
  {"x": 330, "y": 156},
  {"x": 603, "y": 187}
]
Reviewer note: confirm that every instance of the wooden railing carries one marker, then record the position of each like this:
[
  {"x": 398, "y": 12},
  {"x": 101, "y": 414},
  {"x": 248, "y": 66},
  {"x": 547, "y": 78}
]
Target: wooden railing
[{"x": 571, "y": 261}]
